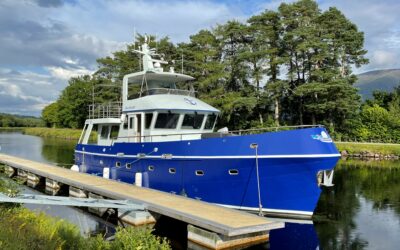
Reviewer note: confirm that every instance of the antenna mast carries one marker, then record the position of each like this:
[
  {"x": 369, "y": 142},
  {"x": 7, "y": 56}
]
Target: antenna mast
[{"x": 182, "y": 63}]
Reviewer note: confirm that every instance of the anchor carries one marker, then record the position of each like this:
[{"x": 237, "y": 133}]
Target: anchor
[{"x": 327, "y": 179}]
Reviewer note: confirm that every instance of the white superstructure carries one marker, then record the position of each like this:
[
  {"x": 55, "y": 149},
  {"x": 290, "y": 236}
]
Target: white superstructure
[{"x": 153, "y": 108}]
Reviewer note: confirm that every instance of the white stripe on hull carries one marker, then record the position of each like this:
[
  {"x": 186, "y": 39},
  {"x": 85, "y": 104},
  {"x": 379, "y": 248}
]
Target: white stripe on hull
[{"x": 214, "y": 157}]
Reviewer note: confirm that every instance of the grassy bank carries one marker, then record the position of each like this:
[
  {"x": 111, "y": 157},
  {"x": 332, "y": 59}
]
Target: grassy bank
[
  {"x": 377, "y": 148},
  {"x": 21, "y": 228},
  {"x": 63, "y": 133}
]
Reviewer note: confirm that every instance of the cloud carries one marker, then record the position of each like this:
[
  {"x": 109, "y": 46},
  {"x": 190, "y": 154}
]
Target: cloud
[
  {"x": 26, "y": 92},
  {"x": 380, "y": 22},
  {"x": 45, "y": 42},
  {"x": 117, "y": 19},
  {"x": 49, "y": 3},
  {"x": 65, "y": 73}
]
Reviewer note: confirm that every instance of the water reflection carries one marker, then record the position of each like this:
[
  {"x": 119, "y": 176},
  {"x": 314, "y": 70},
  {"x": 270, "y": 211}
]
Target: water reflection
[
  {"x": 48, "y": 150},
  {"x": 362, "y": 210}
]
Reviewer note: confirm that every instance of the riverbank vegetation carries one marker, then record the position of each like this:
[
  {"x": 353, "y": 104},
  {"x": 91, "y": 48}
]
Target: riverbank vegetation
[
  {"x": 353, "y": 148},
  {"x": 21, "y": 228},
  {"x": 62, "y": 133},
  {"x": 10, "y": 121}
]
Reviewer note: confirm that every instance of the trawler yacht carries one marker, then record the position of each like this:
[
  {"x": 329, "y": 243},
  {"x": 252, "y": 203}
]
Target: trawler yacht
[{"x": 162, "y": 137}]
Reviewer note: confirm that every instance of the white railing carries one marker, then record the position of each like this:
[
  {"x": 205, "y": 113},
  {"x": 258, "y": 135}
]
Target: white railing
[
  {"x": 163, "y": 91},
  {"x": 105, "y": 110}
]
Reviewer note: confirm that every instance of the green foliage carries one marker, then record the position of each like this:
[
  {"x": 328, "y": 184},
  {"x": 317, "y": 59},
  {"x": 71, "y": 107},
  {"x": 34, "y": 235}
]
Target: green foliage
[
  {"x": 50, "y": 115},
  {"x": 138, "y": 238},
  {"x": 9, "y": 121}
]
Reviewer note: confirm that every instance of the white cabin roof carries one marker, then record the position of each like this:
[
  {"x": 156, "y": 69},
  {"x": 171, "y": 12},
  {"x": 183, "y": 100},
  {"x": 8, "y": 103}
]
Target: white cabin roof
[{"x": 167, "y": 102}]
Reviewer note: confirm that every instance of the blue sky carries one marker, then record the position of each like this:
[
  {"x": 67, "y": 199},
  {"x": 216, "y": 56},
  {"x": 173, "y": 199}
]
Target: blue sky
[{"x": 45, "y": 42}]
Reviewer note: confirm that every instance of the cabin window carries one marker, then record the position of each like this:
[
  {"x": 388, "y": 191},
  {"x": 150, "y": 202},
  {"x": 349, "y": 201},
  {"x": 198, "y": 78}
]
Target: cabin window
[
  {"x": 118, "y": 164},
  {"x": 233, "y": 171},
  {"x": 105, "y": 130},
  {"x": 114, "y": 132},
  {"x": 131, "y": 122},
  {"x": 172, "y": 170},
  {"x": 134, "y": 88},
  {"x": 149, "y": 118},
  {"x": 93, "y": 135},
  {"x": 128, "y": 166},
  {"x": 167, "y": 120},
  {"x": 210, "y": 121},
  {"x": 192, "y": 121},
  {"x": 199, "y": 172}
]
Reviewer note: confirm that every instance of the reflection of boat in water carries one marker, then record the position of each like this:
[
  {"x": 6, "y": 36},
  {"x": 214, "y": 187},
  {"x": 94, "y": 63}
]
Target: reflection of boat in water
[
  {"x": 162, "y": 137},
  {"x": 299, "y": 236}
]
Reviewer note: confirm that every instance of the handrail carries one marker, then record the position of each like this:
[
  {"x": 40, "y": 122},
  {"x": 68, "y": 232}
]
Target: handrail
[
  {"x": 160, "y": 91},
  {"x": 221, "y": 134},
  {"x": 105, "y": 110}
]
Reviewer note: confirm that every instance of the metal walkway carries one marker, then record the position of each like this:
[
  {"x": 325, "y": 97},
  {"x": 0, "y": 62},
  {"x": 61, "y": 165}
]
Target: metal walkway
[{"x": 68, "y": 201}]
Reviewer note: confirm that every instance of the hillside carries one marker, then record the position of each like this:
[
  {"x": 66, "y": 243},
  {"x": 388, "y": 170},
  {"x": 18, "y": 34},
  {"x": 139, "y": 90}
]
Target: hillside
[{"x": 384, "y": 80}]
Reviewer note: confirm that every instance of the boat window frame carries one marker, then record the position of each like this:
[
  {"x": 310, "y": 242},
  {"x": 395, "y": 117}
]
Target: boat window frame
[
  {"x": 213, "y": 124},
  {"x": 194, "y": 117},
  {"x": 85, "y": 127},
  {"x": 105, "y": 132},
  {"x": 167, "y": 113}
]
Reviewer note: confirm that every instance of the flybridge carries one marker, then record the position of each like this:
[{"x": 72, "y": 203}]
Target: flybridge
[{"x": 153, "y": 80}]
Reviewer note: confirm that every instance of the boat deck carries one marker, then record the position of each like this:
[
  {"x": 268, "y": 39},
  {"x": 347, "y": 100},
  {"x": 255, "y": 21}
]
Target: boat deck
[{"x": 215, "y": 218}]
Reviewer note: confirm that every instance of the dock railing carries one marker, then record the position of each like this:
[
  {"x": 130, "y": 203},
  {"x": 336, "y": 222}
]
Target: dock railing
[{"x": 105, "y": 110}]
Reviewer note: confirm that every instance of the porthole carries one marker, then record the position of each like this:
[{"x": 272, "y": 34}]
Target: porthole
[
  {"x": 118, "y": 164},
  {"x": 151, "y": 168},
  {"x": 172, "y": 170},
  {"x": 128, "y": 165},
  {"x": 199, "y": 172},
  {"x": 233, "y": 171}
]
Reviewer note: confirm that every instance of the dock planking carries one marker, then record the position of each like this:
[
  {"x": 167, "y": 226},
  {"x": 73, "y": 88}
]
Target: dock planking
[{"x": 224, "y": 221}]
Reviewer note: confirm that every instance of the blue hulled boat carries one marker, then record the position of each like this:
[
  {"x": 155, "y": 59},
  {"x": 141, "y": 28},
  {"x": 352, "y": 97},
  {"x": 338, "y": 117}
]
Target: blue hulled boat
[{"x": 162, "y": 137}]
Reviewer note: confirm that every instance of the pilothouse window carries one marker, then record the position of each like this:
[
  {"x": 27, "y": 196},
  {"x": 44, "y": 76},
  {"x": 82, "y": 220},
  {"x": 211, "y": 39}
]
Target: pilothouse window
[
  {"x": 149, "y": 118},
  {"x": 104, "y": 132},
  {"x": 167, "y": 120},
  {"x": 192, "y": 121},
  {"x": 210, "y": 121}
]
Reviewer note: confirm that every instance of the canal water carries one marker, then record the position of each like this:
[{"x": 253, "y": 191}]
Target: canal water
[{"x": 362, "y": 210}]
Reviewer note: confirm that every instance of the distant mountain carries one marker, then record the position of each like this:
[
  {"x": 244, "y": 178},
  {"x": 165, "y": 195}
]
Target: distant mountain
[{"x": 384, "y": 80}]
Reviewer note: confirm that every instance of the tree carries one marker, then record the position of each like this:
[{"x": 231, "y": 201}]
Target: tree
[
  {"x": 73, "y": 103},
  {"x": 50, "y": 115}
]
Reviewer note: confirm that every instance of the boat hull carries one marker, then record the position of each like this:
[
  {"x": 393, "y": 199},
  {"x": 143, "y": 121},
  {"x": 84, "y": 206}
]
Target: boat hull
[{"x": 223, "y": 170}]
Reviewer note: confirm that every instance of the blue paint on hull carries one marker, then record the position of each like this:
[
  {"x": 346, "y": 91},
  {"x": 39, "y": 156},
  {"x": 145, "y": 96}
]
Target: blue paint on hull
[{"x": 288, "y": 164}]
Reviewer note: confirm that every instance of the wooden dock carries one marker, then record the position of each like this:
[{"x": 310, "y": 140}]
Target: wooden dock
[{"x": 210, "y": 225}]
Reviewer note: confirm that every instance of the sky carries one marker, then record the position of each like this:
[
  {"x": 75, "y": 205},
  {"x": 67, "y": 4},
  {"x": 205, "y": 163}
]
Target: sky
[{"x": 45, "y": 42}]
